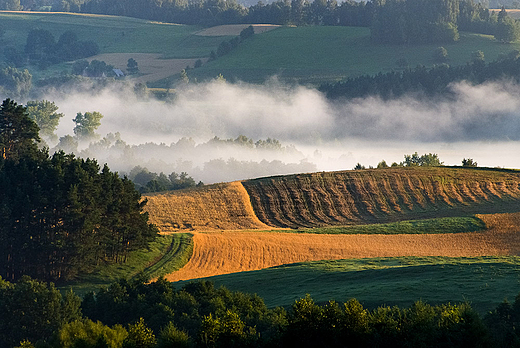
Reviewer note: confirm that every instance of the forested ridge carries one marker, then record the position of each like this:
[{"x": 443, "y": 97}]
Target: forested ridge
[
  {"x": 132, "y": 313},
  {"x": 425, "y": 81},
  {"x": 61, "y": 215}
]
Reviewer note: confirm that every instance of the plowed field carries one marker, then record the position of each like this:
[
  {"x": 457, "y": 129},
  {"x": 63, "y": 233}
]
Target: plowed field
[
  {"x": 214, "y": 207},
  {"x": 353, "y": 197},
  {"x": 222, "y": 253}
]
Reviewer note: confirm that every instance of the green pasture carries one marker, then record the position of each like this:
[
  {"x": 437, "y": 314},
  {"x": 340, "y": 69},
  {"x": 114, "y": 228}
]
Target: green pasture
[
  {"x": 430, "y": 226},
  {"x": 165, "y": 255},
  {"x": 112, "y": 34},
  {"x": 482, "y": 281},
  {"x": 316, "y": 54}
]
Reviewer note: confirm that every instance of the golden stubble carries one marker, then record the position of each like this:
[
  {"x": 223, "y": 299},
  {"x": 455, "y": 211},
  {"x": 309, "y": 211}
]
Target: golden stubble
[{"x": 230, "y": 252}]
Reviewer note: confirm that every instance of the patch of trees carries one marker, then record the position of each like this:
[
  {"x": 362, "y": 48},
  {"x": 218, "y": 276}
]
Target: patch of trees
[
  {"x": 61, "y": 215},
  {"x": 95, "y": 68},
  {"x": 424, "y": 81},
  {"x": 132, "y": 313},
  {"x": 41, "y": 47},
  {"x": 146, "y": 181},
  {"x": 227, "y": 46},
  {"x": 413, "y": 160}
]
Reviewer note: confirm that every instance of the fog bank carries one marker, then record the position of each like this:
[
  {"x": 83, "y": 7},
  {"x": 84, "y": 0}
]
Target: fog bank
[{"x": 481, "y": 122}]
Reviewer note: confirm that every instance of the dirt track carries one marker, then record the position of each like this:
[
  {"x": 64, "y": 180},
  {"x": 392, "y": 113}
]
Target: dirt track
[{"x": 229, "y": 252}]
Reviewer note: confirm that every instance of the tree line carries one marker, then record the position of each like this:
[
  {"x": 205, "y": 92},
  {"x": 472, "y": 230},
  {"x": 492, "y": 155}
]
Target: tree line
[
  {"x": 135, "y": 313},
  {"x": 61, "y": 215},
  {"x": 391, "y": 21},
  {"x": 426, "y": 81}
]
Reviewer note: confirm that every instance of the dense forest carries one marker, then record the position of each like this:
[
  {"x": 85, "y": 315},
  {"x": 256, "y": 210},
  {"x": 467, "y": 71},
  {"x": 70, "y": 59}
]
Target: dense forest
[
  {"x": 61, "y": 215},
  {"x": 133, "y": 313}
]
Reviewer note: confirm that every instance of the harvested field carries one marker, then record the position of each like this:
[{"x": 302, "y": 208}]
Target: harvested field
[
  {"x": 151, "y": 66},
  {"x": 235, "y": 29},
  {"x": 213, "y": 207},
  {"x": 223, "y": 253},
  {"x": 365, "y": 196}
]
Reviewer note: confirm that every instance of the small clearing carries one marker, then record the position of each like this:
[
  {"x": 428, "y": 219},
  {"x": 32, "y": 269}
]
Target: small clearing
[
  {"x": 224, "y": 253},
  {"x": 151, "y": 66},
  {"x": 235, "y": 29}
]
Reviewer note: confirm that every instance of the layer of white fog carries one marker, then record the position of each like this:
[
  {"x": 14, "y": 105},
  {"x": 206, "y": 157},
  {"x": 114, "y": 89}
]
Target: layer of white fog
[{"x": 479, "y": 122}]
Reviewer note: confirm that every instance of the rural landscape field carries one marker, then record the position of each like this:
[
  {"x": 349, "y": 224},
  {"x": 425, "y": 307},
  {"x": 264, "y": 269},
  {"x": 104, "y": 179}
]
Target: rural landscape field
[{"x": 226, "y": 174}]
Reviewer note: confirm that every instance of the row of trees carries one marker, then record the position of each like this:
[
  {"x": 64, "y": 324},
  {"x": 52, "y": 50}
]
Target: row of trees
[
  {"x": 61, "y": 215},
  {"x": 135, "y": 314},
  {"x": 422, "y": 80},
  {"x": 146, "y": 181}
]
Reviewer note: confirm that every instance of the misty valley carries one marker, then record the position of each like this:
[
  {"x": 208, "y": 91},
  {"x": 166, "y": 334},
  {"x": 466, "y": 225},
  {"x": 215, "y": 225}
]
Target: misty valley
[{"x": 274, "y": 174}]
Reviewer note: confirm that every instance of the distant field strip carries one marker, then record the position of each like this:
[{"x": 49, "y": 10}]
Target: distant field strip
[
  {"x": 214, "y": 207},
  {"x": 353, "y": 197},
  {"x": 223, "y": 253}
]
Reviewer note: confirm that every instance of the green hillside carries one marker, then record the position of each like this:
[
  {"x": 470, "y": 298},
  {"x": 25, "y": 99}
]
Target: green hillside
[
  {"x": 482, "y": 281},
  {"x": 319, "y": 53},
  {"x": 112, "y": 34}
]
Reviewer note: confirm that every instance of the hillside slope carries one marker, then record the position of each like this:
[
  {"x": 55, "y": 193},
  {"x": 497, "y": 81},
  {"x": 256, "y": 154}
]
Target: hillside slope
[
  {"x": 381, "y": 195},
  {"x": 213, "y": 207}
]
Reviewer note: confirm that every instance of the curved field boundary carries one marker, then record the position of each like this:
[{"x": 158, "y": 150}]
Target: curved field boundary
[
  {"x": 213, "y": 207},
  {"x": 177, "y": 255},
  {"x": 223, "y": 253},
  {"x": 382, "y": 195}
]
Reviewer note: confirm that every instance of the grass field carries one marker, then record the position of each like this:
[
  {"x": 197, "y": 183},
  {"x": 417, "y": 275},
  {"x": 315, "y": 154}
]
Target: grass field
[
  {"x": 318, "y": 54},
  {"x": 430, "y": 226},
  {"x": 482, "y": 281},
  {"x": 312, "y": 54},
  {"x": 165, "y": 255}
]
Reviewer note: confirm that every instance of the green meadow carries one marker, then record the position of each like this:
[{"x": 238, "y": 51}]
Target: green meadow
[
  {"x": 482, "y": 281},
  {"x": 317, "y": 54}
]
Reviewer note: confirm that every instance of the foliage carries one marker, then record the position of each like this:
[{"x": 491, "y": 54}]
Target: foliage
[
  {"x": 44, "y": 114},
  {"x": 435, "y": 80},
  {"x": 139, "y": 336},
  {"x": 86, "y": 333},
  {"x": 42, "y": 48},
  {"x": 468, "y": 162},
  {"x": 131, "y": 67},
  {"x": 86, "y": 125},
  {"x": 15, "y": 83},
  {"x": 426, "y": 160},
  {"x": 170, "y": 337},
  {"x": 69, "y": 215},
  {"x": 32, "y": 310},
  {"x": 18, "y": 133},
  {"x": 147, "y": 181}
]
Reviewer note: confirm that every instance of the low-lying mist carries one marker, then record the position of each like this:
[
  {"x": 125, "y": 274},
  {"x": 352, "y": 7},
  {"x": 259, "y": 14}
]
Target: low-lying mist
[{"x": 480, "y": 122}]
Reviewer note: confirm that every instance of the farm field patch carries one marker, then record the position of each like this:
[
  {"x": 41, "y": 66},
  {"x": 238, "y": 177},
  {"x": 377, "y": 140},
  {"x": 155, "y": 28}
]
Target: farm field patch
[
  {"x": 482, "y": 281},
  {"x": 222, "y": 253}
]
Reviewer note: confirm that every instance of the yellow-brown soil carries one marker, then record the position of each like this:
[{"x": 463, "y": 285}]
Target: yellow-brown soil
[
  {"x": 151, "y": 66},
  {"x": 229, "y": 252},
  {"x": 353, "y": 197},
  {"x": 213, "y": 207},
  {"x": 235, "y": 29}
]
